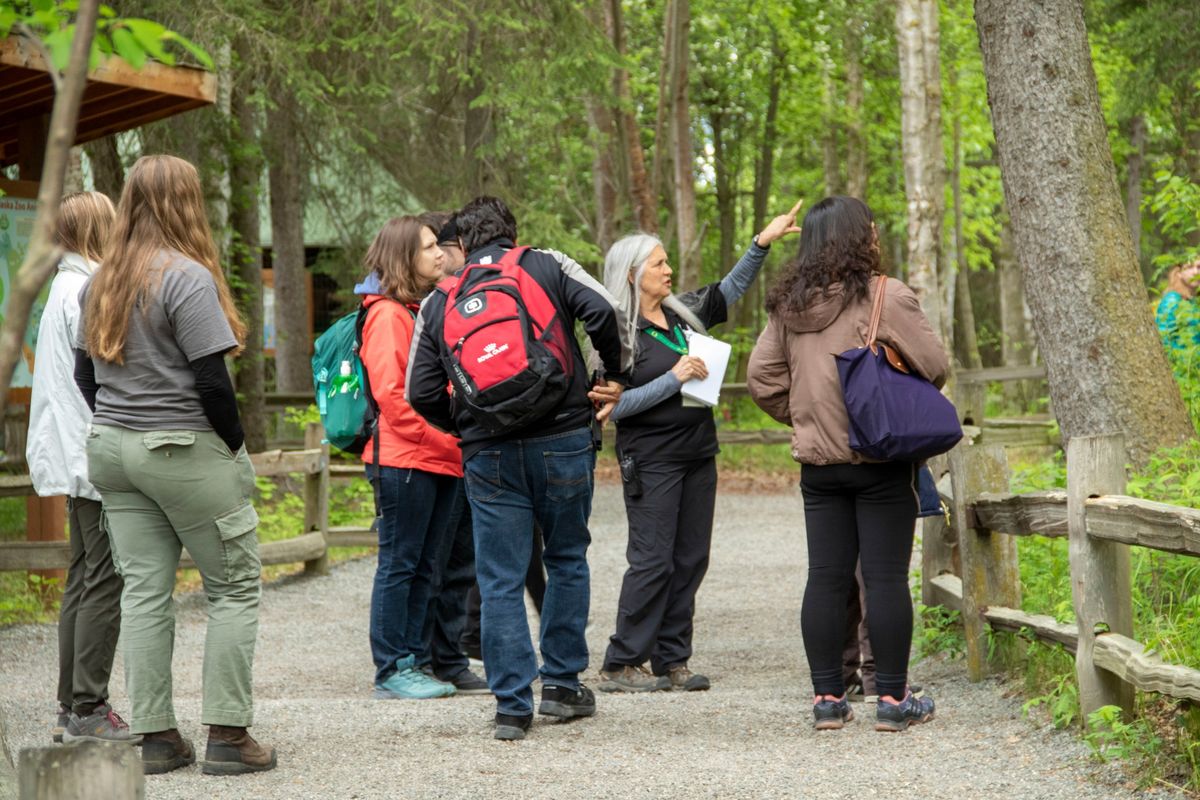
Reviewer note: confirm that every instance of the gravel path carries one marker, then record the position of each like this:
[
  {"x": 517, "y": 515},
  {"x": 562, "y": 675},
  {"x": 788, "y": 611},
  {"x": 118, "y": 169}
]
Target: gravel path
[{"x": 750, "y": 736}]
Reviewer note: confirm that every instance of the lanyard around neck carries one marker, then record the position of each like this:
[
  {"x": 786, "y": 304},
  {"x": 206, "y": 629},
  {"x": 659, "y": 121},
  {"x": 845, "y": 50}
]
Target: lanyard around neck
[{"x": 677, "y": 342}]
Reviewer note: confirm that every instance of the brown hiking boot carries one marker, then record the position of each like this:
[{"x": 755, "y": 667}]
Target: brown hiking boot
[
  {"x": 627, "y": 679},
  {"x": 682, "y": 679},
  {"x": 163, "y": 751},
  {"x": 233, "y": 751}
]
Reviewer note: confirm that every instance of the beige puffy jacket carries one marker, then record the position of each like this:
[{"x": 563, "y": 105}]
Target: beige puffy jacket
[{"x": 793, "y": 376}]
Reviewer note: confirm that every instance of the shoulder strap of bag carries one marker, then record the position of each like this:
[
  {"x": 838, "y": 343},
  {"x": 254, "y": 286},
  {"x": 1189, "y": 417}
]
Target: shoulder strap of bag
[{"x": 876, "y": 312}]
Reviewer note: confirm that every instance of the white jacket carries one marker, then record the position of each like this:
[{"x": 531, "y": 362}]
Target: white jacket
[{"x": 58, "y": 415}]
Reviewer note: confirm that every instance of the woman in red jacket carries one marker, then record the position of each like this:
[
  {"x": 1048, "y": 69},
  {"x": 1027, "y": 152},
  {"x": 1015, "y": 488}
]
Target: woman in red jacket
[{"x": 419, "y": 468}]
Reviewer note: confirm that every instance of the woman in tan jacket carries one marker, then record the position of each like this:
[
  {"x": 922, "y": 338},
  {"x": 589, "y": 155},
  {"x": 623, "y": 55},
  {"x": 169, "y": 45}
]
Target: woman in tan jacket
[{"x": 853, "y": 508}]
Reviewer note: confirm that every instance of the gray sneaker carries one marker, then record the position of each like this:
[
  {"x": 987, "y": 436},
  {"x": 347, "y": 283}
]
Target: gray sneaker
[
  {"x": 682, "y": 679},
  {"x": 628, "y": 679},
  {"x": 102, "y": 725}
]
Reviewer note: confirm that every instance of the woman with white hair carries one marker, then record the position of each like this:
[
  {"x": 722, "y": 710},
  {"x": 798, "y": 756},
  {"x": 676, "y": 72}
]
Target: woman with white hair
[{"x": 667, "y": 449}]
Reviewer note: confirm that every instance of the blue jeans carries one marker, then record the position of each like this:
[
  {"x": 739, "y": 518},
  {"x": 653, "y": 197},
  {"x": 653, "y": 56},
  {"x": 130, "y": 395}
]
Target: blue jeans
[
  {"x": 452, "y": 582},
  {"x": 510, "y": 485},
  {"x": 415, "y": 511}
]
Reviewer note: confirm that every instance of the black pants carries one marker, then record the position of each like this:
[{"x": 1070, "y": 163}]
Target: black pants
[
  {"x": 853, "y": 513},
  {"x": 452, "y": 582},
  {"x": 535, "y": 584},
  {"x": 90, "y": 616},
  {"x": 670, "y": 533}
]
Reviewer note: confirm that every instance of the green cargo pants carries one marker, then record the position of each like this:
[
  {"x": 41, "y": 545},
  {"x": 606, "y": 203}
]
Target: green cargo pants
[{"x": 163, "y": 491}]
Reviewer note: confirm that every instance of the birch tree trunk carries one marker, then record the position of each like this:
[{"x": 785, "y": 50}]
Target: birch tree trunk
[
  {"x": 293, "y": 369},
  {"x": 1107, "y": 369},
  {"x": 921, "y": 123},
  {"x": 42, "y": 256},
  {"x": 685, "y": 181},
  {"x": 245, "y": 170}
]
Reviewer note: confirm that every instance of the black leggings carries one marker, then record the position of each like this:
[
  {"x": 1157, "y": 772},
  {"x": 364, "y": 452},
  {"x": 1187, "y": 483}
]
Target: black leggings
[{"x": 852, "y": 512}]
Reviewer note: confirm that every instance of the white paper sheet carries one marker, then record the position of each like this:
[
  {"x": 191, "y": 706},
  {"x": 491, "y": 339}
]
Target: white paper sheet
[{"x": 715, "y": 355}]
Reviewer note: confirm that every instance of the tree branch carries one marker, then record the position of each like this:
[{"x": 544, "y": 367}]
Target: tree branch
[{"x": 36, "y": 42}]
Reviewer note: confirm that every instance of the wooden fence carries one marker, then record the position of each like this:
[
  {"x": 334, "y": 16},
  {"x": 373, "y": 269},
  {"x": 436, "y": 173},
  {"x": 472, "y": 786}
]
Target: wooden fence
[
  {"x": 311, "y": 545},
  {"x": 1100, "y": 523}
]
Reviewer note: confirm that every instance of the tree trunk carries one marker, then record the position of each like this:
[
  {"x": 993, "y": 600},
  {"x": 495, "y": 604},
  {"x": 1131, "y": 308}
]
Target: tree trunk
[
  {"x": 1107, "y": 369},
  {"x": 765, "y": 173},
  {"x": 42, "y": 256},
  {"x": 641, "y": 197},
  {"x": 662, "y": 149},
  {"x": 829, "y": 137},
  {"x": 604, "y": 181},
  {"x": 1133, "y": 181},
  {"x": 685, "y": 181},
  {"x": 921, "y": 121},
  {"x": 966, "y": 338},
  {"x": 856, "y": 141},
  {"x": 478, "y": 131},
  {"x": 108, "y": 173},
  {"x": 293, "y": 370},
  {"x": 1016, "y": 349},
  {"x": 73, "y": 180},
  {"x": 245, "y": 168},
  {"x": 726, "y": 210}
]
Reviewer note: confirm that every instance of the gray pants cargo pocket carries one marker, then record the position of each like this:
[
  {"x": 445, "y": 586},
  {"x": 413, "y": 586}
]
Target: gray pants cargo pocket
[{"x": 239, "y": 543}]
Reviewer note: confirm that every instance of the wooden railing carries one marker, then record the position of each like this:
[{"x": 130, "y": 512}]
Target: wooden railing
[
  {"x": 310, "y": 545},
  {"x": 1101, "y": 523}
]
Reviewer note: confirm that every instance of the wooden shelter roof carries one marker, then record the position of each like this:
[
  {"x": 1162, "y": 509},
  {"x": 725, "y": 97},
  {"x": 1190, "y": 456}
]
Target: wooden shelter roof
[{"x": 117, "y": 97}]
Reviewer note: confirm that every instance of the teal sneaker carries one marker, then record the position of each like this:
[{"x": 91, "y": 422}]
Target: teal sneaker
[{"x": 410, "y": 683}]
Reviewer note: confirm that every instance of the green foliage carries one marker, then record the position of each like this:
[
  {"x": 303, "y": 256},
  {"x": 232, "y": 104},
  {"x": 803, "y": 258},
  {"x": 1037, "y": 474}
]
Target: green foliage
[
  {"x": 1109, "y": 736},
  {"x": 938, "y": 631},
  {"x": 1176, "y": 202},
  {"x": 131, "y": 38}
]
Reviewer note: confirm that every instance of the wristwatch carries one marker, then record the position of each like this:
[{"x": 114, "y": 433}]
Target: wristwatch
[{"x": 760, "y": 246}]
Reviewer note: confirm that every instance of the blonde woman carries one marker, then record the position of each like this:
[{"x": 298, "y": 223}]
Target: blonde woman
[
  {"x": 90, "y": 616},
  {"x": 1181, "y": 292},
  {"x": 165, "y": 453}
]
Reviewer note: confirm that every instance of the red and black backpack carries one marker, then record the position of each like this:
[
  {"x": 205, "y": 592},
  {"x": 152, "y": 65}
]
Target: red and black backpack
[{"x": 507, "y": 350}]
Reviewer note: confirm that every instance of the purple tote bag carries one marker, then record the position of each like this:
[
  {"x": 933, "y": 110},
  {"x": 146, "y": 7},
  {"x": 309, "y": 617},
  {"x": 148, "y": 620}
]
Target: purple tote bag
[{"x": 895, "y": 415}]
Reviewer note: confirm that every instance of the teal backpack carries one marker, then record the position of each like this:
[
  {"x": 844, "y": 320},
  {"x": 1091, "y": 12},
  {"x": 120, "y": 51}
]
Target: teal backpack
[{"x": 342, "y": 388}]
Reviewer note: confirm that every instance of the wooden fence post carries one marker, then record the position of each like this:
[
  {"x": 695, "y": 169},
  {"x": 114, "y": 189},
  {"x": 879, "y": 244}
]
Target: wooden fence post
[
  {"x": 316, "y": 497},
  {"x": 8, "y": 775},
  {"x": 1100, "y": 571},
  {"x": 990, "y": 570},
  {"x": 84, "y": 770},
  {"x": 938, "y": 542}
]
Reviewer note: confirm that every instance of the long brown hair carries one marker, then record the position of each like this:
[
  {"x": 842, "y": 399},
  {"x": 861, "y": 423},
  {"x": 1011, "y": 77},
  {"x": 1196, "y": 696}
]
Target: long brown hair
[
  {"x": 161, "y": 208},
  {"x": 84, "y": 222},
  {"x": 393, "y": 257},
  {"x": 838, "y": 246}
]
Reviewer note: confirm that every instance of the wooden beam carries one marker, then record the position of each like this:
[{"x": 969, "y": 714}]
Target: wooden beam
[
  {"x": 947, "y": 591},
  {"x": 1021, "y": 373},
  {"x": 352, "y": 537},
  {"x": 1129, "y": 661},
  {"x": 304, "y": 547},
  {"x": 1116, "y": 518},
  {"x": 16, "y": 485},
  {"x": 181, "y": 81},
  {"x": 1040, "y": 513},
  {"x": 22, "y": 556},
  {"x": 285, "y": 462},
  {"x": 779, "y": 435},
  {"x": 1045, "y": 627}
]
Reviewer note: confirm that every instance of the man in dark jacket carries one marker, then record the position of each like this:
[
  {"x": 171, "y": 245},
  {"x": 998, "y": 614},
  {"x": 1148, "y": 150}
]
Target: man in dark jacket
[{"x": 541, "y": 472}]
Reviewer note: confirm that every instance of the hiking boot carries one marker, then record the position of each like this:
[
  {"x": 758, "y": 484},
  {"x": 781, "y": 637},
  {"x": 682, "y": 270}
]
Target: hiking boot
[
  {"x": 163, "y": 751},
  {"x": 509, "y": 728},
  {"x": 101, "y": 725},
  {"x": 233, "y": 751},
  {"x": 561, "y": 702},
  {"x": 912, "y": 710},
  {"x": 428, "y": 672},
  {"x": 60, "y": 724},
  {"x": 831, "y": 715},
  {"x": 628, "y": 679},
  {"x": 682, "y": 679},
  {"x": 467, "y": 682},
  {"x": 410, "y": 683}
]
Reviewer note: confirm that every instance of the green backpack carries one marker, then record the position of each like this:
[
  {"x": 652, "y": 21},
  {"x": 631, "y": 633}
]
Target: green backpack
[{"x": 342, "y": 388}]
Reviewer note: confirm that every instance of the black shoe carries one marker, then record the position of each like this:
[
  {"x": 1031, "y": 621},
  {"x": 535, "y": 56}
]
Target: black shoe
[
  {"x": 561, "y": 702},
  {"x": 509, "y": 728},
  {"x": 467, "y": 682},
  {"x": 831, "y": 715},
  {"x": 912, "y": 710},
  {"x": 165, "y": 751}
]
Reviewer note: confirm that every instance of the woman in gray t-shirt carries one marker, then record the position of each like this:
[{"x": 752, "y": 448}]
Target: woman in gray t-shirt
[{"x": 165, "y": 452}]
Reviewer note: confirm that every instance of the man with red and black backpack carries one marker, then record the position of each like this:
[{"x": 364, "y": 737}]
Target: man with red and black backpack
[{"x": 502, "y": 334}]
